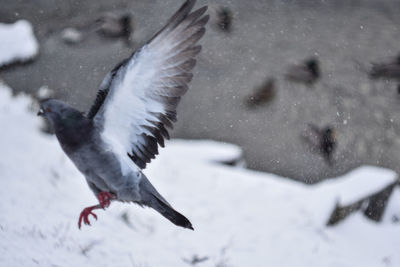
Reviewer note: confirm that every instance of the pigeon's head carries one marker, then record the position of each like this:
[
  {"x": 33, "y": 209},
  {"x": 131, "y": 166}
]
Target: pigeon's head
[{"x": 58, "y": 113}]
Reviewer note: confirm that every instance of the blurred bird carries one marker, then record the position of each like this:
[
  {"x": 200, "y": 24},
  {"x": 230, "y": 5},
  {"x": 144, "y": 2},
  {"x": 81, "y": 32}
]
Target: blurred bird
[
  {"x": 109, "y": 25},
  {"x": 386, "y": 70},
  {"x": 115, "y": 26},
  {"x": 71, "y": 35},
  {"x": 328, "y": 143},
  {"x": 135, "y": 105},
  {"x": 262, "y": 95},
  {"x": 322, "y": 140},
  {"x": 307, "y": 72},
  {"x": 224, "y": 19}
]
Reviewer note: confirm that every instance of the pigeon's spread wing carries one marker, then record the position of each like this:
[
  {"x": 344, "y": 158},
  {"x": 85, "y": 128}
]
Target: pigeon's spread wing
[{"x": 137, "y": 100}]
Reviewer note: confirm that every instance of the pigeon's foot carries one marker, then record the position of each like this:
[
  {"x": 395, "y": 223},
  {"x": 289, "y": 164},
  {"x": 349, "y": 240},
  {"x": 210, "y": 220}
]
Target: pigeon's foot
[
  {"x": 105, "y": 199},
  {"x": 85, "y": 215}
]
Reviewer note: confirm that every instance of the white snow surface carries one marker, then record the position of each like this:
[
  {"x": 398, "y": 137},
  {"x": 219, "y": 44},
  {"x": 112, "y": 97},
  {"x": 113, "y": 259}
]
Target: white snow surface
[
  {"x": 17, "y": 42},
  {"x": 392, "y": 212},
  {"x": 206, "y": 150},
  {"x": 359, "y": 184},
  {"x": 241, "y": 217}
]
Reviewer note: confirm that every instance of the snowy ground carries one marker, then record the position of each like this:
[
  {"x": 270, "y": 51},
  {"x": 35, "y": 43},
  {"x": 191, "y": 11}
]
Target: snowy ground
[
  {"x": 18, "y": 42},
  {"x": 241, "y": 217}
]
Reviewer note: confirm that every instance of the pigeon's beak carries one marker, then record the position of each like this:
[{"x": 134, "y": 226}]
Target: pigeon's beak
[{"x": 40, "y": 112}]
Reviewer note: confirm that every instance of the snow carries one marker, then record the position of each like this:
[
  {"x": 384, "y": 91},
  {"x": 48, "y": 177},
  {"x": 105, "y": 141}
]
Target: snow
[
  {"x": 206, "y": 151},
  {"x": 18, "y": 42},
  {"x": 241, "y": 217},
  {"x": 392, "y": 212},
  {"x": 360, "y": 183}
]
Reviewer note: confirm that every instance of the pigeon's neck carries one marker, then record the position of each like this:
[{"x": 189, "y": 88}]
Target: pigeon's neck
[{"x": 73, "y": 131}]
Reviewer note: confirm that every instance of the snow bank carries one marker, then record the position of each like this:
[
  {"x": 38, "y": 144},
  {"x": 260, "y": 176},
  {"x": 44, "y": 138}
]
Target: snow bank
[
  {"x": 206, "y": 151},
  {"x": 18, "y": 42},
  {"x": 359, "y": 184},
  {"x": 392, "y": 212},
  {"x": 241, "y": 217}
]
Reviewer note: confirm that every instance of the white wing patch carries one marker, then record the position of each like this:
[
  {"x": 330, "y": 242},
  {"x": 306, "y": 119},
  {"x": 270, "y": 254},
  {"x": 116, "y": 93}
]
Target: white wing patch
[
  {"x": 128, "y": 109},
  {"x": 145, "y": 91}
]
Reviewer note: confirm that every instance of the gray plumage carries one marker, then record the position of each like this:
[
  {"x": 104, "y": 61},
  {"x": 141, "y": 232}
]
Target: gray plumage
[
  {"x": 307, "y": 72},
  {"x": 263, "y": 94},
  {"x": 135, "y": 105},
  {"x": 386, "y": 70}
]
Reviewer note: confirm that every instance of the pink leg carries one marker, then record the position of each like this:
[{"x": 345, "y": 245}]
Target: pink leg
[
  {"x": 85, "y": 215},
  {"x": 104, "y": 201}
]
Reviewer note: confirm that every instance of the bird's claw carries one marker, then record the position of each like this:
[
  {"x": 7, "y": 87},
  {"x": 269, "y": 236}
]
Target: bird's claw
[
  {"x": 105, "y": 199},
  {"x": 85, "y": 216}
]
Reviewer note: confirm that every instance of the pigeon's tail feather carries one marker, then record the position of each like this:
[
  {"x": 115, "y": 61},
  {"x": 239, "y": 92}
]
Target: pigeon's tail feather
[
  {"x": 153, "y": 199},
  {"x": 171, "y": 214}
]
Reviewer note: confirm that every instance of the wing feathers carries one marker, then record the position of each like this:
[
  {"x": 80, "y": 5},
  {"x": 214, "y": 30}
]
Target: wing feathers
[
  {"x": 143, "y": 92},
  {"x": 189, "y": 40},
  {"x": 138, "y": 161},
  {"x": 175, "y": 81},
  {"x": 104, "y": 89},
  {"x": 187, "y": 26},
  {"x": 183, "y": 67},
  {"x": 182, "y": 57},
  {"x": 170, "y": 103},
  {"x": 163, "y": 118},
  {"x": 171, "y": 115},
  {"x": 174, "y": 20}
]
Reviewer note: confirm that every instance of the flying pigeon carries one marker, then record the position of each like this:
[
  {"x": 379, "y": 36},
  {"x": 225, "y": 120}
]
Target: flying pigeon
[
  {"x": 262, "y": 95},
  {"x": 135, "y": 105},
  {"x": 386, "y": 70},
  {"x": 115, "y": 26},
  {"x": 224, "y": 19},
  {"x": 323, "y": 141},
  {"x": 307, "y": 72}
]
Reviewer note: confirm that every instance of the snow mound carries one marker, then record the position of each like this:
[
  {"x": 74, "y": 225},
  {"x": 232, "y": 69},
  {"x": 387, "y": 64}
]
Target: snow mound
[
  {"x": 359, "y": 184},
  {"x": 241, "y": 217},
  {"x": 392, "y": 212},
  {"x": 18, "y": 42},
  {"x": 206, "y": 151}
]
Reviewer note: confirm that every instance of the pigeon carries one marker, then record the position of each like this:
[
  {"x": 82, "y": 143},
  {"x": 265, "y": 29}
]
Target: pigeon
[
  {"x": 224, "y": 19},
  {"x": 114, "y": 141},
  {"x": 328, "y": 143},
  {"x": 307, "y": 72},
  {"x": 108, "y": 25},
  {"x": 323, "y": 141},
  {"x": 263, "y": 94},
  {"x": 386, "y": 70},
  {"x": 115, "y": 26}
]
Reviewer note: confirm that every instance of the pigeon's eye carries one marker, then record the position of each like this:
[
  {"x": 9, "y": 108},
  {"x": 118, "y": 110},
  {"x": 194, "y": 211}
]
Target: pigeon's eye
[{"x": 48, "y": 110}]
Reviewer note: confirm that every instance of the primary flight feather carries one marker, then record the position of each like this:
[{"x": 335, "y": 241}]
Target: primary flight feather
[{"x": 134, "y": 108}]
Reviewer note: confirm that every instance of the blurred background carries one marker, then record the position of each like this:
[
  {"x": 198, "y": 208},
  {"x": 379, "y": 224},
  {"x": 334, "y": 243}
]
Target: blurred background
[
  {"x": 299, "y": 89},
  {"x": 249, "y": 46}
]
